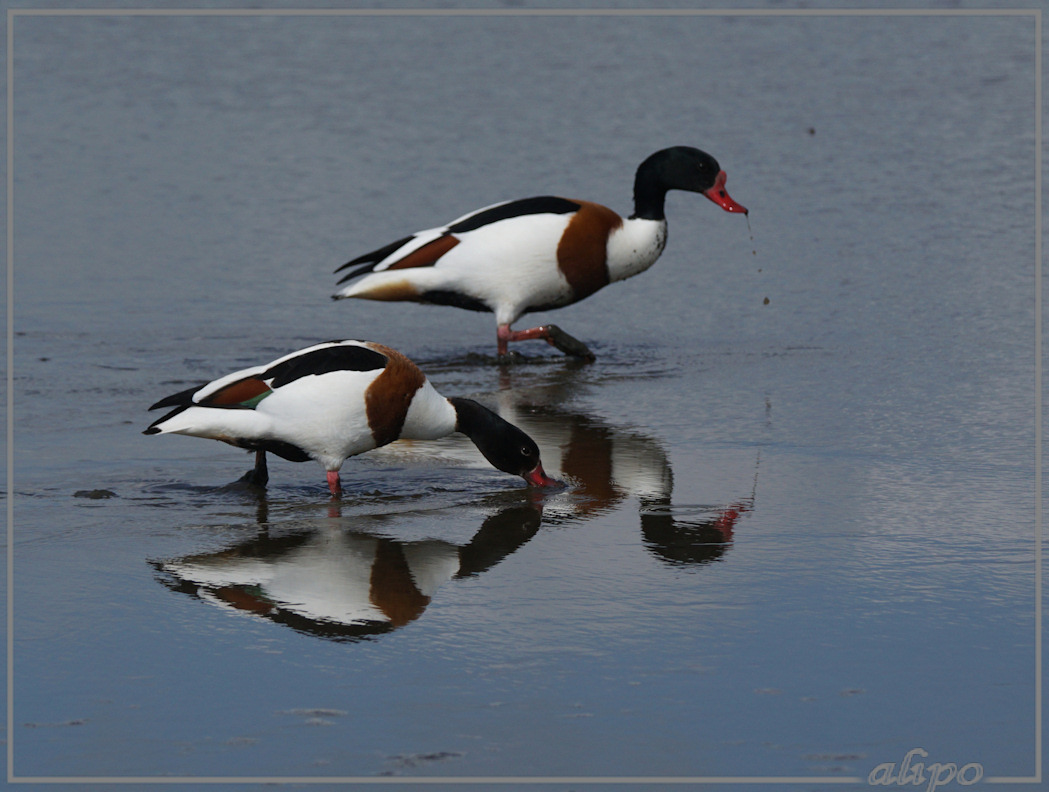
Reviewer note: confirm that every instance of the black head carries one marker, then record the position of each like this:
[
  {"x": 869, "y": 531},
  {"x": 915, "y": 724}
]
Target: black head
[
  {"x": 682, "y": 168},
  {"x": 505, "y": 446},
  {"x": 679, "y": 168}
]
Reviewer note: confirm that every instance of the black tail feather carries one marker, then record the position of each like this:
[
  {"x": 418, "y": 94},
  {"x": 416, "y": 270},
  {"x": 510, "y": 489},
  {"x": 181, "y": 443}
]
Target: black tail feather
[
  {"x": 152, "y": 428},
  {"x": 371, "y": 259},
  {"x": 180, "y": 399}
]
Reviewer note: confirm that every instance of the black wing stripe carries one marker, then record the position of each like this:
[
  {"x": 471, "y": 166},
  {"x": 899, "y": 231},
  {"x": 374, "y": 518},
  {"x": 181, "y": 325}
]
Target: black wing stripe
[
  {"x": 323, "y": 361},
  {"x": 543, "y": 204},
  {"x": 180, "y": 399}
]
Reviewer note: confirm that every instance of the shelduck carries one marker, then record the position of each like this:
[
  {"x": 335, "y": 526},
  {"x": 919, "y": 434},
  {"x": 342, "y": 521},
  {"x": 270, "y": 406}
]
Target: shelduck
[
  {"x": 538, "y": 253},
  {"x": 335, "y": 400}
]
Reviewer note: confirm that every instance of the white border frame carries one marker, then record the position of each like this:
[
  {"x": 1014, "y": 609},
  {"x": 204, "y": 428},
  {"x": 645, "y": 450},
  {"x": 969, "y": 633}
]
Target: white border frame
[{"x": 14, "y": 13}]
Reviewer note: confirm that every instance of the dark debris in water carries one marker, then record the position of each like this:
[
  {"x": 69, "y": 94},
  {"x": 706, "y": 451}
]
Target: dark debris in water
[
  {"x": 404, "y": 761},
  {"x": 316, "y": 712},
  {"x": 317, "y": 716},
  {"x": 62, "y": 724},
  {"x": 835, "y": 757},
  {"x": 95, "y": 494}
]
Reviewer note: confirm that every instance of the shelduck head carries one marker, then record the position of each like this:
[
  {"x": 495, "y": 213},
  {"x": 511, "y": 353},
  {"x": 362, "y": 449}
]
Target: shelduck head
[
  {"x": 680, "y": 168},
  {"x": 505, "y": 446}
]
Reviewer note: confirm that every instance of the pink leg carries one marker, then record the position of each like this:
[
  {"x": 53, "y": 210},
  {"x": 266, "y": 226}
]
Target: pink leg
[
  {"x": 552, "y": 334},
  {"x": 502, "y": 339},
  {"x": 334, "y": 484},
  {"x": 504, "y": 335}
]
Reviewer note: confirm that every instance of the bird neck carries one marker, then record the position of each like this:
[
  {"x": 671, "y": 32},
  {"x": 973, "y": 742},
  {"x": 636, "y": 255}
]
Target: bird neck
[
  {"x": 650, "y": 193},
  {"x": 472, "y": 419}
]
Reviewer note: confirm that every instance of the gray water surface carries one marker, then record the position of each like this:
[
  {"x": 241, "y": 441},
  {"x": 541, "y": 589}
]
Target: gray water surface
[{"x": 798, "y": 540}]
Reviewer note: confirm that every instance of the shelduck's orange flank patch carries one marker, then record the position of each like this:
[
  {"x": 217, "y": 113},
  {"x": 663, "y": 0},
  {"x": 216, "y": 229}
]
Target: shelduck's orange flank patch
[
  {"x": 582, "y": 252},
  {"x": 588, "y": 463},
  {"x": 391, "y": 586},
  {"x": 427, "y": 255},
  {"x": 237, "y": 393},
  {"x": 387, "y": 399},
  {"x": 244, "y": 600}
]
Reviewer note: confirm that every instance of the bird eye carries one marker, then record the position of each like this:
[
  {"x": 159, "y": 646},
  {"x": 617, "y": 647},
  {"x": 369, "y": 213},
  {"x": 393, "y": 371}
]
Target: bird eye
[{"x": 526, "y": 451}]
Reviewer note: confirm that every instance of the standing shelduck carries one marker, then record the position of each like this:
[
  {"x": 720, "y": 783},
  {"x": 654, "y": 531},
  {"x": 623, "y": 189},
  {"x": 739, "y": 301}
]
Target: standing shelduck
[
  {"x": 335, "y": 400},
  {"x": 537, "y": 253}
]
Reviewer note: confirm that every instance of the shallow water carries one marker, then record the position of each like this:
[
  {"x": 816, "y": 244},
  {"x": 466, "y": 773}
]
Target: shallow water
[{"x": 798, "y": 540}]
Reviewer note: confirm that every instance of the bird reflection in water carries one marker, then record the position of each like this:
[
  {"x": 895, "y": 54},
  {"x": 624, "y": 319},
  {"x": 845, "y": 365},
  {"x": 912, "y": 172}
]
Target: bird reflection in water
[
  {"x": 340, "y": 583},
  {"x": 607, "y": 465}
]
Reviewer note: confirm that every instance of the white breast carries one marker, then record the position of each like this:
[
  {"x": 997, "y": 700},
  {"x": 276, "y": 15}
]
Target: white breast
[
  {"x": 430, "y": 415},
  {"x": 634, "y": 247}
]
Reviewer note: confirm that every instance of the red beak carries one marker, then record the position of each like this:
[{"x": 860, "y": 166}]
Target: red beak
[
  {"x": 537, "y": 477},
  {"x": 718, "y": 195}
]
